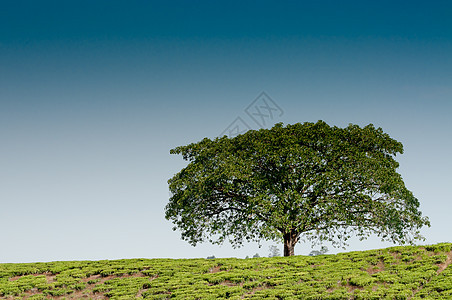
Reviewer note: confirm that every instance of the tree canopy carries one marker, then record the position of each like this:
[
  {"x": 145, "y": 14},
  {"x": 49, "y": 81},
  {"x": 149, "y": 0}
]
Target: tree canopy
[{"x": 306, "y": 180}]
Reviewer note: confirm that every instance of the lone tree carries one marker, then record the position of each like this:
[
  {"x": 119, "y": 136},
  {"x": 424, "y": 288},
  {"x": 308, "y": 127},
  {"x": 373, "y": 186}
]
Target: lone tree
[
  {"x": 322, "y": 251},
  {"x": 274, "y": 251},
  {"x": 306, "y": 180}
]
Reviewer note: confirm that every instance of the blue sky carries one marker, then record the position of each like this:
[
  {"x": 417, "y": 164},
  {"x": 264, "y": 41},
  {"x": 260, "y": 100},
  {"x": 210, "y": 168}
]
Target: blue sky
[{"x": 94, "y": 95}]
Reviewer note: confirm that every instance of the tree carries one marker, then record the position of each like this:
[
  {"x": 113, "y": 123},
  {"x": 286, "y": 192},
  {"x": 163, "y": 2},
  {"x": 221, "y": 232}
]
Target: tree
[
  {"x": 306, "y": 181},
  {"x": 322, "y": 251},
  {"x": 274, "y": 251}
]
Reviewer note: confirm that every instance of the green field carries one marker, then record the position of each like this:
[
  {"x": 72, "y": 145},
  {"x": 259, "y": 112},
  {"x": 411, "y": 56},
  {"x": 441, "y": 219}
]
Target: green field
[{"x": 408, "y": 272}]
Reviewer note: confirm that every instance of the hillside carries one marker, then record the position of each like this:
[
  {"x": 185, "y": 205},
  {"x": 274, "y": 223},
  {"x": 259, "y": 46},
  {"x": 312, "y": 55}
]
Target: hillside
[{"x": 394, "y": 273}]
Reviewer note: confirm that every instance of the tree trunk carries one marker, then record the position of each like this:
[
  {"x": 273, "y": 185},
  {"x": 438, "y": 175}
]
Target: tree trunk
[{"x": 290, "y": 239}]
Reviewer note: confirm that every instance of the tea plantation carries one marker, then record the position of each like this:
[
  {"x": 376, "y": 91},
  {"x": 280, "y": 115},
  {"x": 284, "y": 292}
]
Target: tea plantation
[{"x": 411, "y": 272}]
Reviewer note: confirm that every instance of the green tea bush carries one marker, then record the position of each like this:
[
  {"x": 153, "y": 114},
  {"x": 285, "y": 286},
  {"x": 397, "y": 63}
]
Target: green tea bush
[
  {"x": 366, "y": 295},
  {"x": 442, "y": 247},
  {"x": 386, "y": 277},
  {"x": 57, "y": 292},
  {"x": 393, "y": 273},
  {"x": 37, "y": 297},
  {"x": 361, "y": 280}
]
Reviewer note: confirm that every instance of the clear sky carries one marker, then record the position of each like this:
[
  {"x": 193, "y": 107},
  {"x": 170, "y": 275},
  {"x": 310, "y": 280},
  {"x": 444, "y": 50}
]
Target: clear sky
[{"x": 94, "y": 94}]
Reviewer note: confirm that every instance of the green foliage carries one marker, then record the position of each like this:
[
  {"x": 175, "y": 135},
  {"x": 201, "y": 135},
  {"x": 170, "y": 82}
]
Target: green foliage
[
  {"x": 305, "y": 180},
  {"x": 411, "y": 273}
]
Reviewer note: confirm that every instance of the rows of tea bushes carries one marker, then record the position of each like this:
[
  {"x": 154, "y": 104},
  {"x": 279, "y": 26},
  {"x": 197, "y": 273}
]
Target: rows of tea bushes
[{"x": 394, "y": 273}]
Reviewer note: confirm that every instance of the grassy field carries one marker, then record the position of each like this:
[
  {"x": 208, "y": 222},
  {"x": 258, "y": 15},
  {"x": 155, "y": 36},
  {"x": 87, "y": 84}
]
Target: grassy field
[{"x": 423, "y": 272}]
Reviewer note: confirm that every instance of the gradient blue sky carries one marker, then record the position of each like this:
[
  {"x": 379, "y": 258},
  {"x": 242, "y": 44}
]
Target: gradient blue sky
[{"x": 94, "y": 94}]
